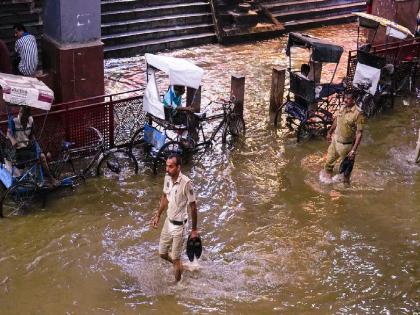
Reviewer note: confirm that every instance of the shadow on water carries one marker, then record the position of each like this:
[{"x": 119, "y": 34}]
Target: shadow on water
[{"x": 275, "y": 239}]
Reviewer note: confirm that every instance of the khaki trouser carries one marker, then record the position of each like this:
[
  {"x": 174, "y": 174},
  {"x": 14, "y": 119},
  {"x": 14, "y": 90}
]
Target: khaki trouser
[
  {"x": 336, "y": 151},
  {"x": 171, "y": 239}
]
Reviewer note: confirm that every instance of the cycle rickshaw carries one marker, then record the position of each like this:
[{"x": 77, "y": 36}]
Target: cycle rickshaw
[
  {"x": 161, "y": 135},
  {"x": 380, "y": 72},
  {"x": 23, "y": 179},
  {"x": 309, "y": 110}
]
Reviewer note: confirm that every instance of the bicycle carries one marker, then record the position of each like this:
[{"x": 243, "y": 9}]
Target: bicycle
[
  {"x": 23, "y": 191},
  {"x": 189, "y": 138}
]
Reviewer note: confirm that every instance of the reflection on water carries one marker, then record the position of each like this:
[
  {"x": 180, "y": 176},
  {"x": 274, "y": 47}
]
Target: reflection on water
[{"x": 276, "y": 240}]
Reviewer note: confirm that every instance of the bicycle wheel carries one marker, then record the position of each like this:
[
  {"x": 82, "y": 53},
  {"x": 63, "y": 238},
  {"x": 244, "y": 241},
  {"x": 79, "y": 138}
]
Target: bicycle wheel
[
  {"x": 171, "y": 147},
  {"x": 236, "y": 125},
  {"x": 117, "y": 163},
  {"x": 18, "y": 199}
]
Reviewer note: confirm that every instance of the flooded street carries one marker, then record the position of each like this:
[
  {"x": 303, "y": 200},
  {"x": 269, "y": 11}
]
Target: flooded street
[{"x": 276, "y": 241}]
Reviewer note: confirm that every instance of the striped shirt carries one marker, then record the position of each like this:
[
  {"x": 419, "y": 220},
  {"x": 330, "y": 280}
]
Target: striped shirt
[{"x": 27, "y": 50}]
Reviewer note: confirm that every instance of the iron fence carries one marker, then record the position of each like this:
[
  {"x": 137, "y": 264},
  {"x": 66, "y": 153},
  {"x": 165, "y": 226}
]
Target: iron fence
[{"x": 116, "y": 116}]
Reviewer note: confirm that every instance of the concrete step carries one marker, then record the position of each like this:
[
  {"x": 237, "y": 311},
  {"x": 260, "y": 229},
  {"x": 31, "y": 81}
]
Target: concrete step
[
  {"x": 149, "y": 12},
  {"x": 116, "y": 5},
  {"x": 11, "y": 7},
  {"x": 7, "y": 33},
  {"x": 322, "y": 11},
  {"x": 281, "y": 7},
  {"x": 322, "y": 21},
  {"x": 143, "y": 47},
  {"x": 24, "y": 17},
  {"x": 156, "y": 33},
  {"x": 156, "y": 22}
]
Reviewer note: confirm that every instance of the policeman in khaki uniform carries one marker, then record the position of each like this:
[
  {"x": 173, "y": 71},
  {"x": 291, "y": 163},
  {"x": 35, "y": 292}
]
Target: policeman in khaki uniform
[
  {"x": 177, "y": 195},
  {"x": 344, "y": 135}
]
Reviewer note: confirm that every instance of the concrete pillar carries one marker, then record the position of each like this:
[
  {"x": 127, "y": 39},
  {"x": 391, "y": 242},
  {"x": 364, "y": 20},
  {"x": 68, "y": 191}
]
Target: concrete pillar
[
  {"x": 237, "y": 90},
  {"x": 277, "y": 88},
  {"x": 72, "y": 48}
]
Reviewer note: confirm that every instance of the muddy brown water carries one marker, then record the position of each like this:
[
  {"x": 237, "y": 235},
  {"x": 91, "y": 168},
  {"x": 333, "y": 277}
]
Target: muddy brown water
[{"x": 276, "y": 241}]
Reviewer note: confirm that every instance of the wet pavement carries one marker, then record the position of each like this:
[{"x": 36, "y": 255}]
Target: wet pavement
[{"x": 276, "y": 241}]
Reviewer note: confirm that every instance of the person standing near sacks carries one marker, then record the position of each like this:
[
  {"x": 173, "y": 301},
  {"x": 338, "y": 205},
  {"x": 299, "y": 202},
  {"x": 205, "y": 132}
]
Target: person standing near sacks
[{"x": 26, "y": 51}]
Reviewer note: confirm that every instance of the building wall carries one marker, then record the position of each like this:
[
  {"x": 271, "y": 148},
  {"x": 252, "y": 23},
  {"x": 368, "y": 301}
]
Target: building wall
[{"x": 403, "y": 12}]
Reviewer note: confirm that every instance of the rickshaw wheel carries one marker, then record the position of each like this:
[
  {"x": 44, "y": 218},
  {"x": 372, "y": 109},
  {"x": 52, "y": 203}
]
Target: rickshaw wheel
[
  {"x": 117, "y": 163},
  {"x": 236, "y": 126},
  {"x": 315, "y": 126},
  {"x": 137, "y": 145},
  {"x": 387, "y": 102},
  {"x": 369, "y": 107},
  {"x": 18, "y": 199},
  {"x": 171, "y": 147}
]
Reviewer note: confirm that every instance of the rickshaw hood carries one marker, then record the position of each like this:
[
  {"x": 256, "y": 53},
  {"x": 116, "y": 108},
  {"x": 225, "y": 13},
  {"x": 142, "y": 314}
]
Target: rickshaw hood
[
  {"x": 322, "y": 51},
  {"x": 180, "y": 71}
]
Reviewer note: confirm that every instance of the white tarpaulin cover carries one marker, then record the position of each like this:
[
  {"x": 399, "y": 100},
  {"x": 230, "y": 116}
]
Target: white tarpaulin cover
[
  {"x": 390, "y": 31},
  {"x": 180, "y": 71},
  {"x": 365, "y": 73},
  {"x": 151, "y": 100},
  {"x": 20, "y": 90}
]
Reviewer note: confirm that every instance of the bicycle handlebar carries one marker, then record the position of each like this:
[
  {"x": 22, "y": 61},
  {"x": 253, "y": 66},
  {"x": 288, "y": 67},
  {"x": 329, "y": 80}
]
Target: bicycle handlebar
[{"x": 99, "y": 135}]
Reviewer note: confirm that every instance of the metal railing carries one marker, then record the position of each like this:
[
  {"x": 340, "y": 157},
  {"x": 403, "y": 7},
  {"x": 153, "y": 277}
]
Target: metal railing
[{"x": 116, "y": 116}]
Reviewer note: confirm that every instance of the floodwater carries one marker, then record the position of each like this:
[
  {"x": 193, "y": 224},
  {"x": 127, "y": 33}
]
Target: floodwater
[{"x": 276, "y": 241}]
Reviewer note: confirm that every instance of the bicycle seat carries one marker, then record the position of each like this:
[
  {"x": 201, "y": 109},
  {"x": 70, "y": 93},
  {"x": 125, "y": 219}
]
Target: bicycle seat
[
  {"x": 200, "y": 116},
  {"x": 68, "y": 144},
  {"x": 179, "y": 127}
]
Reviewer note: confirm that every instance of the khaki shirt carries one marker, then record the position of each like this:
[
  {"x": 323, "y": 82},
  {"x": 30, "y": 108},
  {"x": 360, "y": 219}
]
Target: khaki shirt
[
  {"x": 179, "y": 194},
  {"x": 349, "y": 120}
]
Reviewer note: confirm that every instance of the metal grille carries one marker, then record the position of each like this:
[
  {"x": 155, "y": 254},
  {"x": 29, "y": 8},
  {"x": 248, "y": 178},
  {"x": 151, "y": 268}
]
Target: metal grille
[
  {"x": 351, "y": 69},
  {"x": 128, "y": 117},
  {"x": 115, "y": 116}
]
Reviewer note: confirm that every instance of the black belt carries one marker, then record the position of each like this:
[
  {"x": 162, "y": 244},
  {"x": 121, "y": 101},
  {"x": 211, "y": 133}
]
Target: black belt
[
  {"x": 345, "y": 142},
  {"x": 178, "y": 222}
]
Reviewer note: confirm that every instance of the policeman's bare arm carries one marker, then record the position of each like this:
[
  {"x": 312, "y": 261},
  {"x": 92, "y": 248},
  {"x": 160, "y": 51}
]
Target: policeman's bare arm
[
  {"x": 162, "y": 204},
  {"x": 193, "y": 207},
  {"x": 359, "y": 134}
]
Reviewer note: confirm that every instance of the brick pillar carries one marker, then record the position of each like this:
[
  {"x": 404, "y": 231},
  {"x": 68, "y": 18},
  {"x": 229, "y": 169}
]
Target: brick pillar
[{"x": 72, "y": 48}]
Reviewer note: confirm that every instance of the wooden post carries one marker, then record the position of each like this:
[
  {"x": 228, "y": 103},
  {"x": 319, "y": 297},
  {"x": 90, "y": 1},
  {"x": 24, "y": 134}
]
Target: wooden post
[
  {"x": 237, "y": 90},
  {"x": 417, "y": 153},
  {"x": 194, "y": 99},
  {"x": 277, "y": 88}
]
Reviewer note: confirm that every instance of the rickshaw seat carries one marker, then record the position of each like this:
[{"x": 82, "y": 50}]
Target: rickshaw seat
[{"x": 302, "y": 87}]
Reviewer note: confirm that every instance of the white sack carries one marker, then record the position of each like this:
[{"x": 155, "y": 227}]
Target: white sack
[
  {"x": 151, "y": 100},
  {"x": 26, "y": 91},
  {"x": 366, "y": 73}
]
